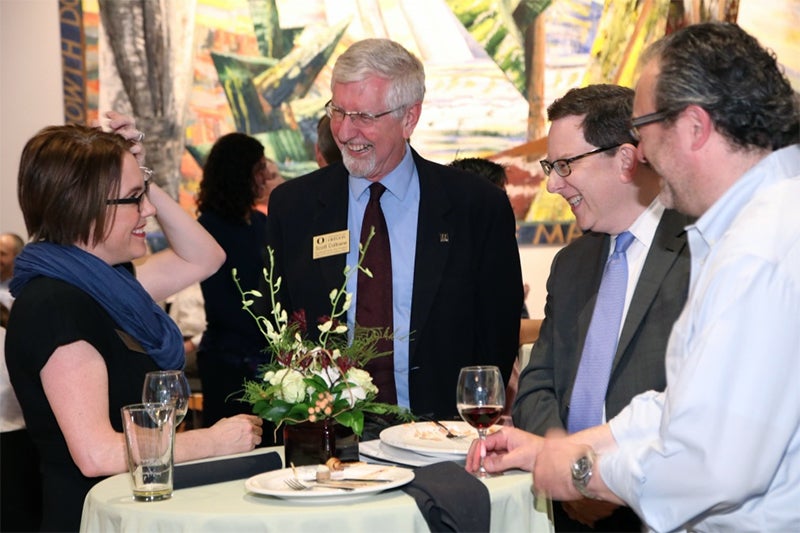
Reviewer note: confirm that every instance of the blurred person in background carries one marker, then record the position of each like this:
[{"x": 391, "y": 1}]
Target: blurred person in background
[
  {"x": 269, "y": 179},
  {"x": 10, "y": 246},
  {"x": 528, "y": 328},
  {"x": 326, "y": 150},
  {"x": 231, "y": 349},
  {"x": 21, "y": 487}
]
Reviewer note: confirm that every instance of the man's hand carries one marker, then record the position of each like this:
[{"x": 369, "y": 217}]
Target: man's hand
[
  {"x": 587, "y": 511},
  {"x": 552, "y": 470},
  {"x": 505, "y": 449}
]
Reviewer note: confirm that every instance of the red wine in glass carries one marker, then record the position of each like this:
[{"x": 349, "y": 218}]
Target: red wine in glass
[
  {"x": 480, "y": 397},
  {"x": 481, "y": 417}
]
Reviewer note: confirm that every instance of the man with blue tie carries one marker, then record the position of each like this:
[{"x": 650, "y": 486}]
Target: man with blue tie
[
  {"x": 719, "y": 448},
  {"x": 454, "y": 287},
  {"x": 612, "y": 295}
]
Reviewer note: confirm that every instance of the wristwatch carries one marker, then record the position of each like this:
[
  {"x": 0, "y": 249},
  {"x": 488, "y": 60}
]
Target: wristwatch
[{"x": 582, "y": 474}]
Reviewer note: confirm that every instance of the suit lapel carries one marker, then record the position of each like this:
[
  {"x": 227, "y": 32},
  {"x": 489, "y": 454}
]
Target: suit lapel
[
  {"x": 668, "y": 242},
  {"x": 435, "y": 232},
  {"x": 592, "y": 287},
  {"x": 329, "y": 216}
]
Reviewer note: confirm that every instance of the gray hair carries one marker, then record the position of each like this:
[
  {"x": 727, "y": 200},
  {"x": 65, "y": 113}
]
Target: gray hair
[
  {"x": 721, "y": 68},
  {"x": 385, "y": 59}
]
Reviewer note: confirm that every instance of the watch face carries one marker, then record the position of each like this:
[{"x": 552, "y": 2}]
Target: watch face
[{"x": 581, "y": 467}]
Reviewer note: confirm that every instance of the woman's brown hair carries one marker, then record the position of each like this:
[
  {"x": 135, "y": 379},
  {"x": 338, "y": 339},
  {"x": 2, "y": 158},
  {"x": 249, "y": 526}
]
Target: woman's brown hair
[{"x": 66, "y": 174}]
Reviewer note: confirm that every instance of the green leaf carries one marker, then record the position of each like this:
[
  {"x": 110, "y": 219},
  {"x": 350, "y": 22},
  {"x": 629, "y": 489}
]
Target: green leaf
[{"x": 353, "y": 419}]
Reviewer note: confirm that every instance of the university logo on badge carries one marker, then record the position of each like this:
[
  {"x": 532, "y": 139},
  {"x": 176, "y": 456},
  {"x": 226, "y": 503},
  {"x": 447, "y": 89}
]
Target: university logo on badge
[{"x": 330, "y": 244}]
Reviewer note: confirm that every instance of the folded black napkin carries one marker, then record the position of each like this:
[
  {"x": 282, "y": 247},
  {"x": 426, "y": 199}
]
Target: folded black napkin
[
  {"x": 450, "y": 498},
  {"x": 209, "y": 472}
]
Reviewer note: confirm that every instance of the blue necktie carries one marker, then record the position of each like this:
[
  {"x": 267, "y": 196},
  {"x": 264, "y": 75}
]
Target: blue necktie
[{"x": 591, "y": 383}]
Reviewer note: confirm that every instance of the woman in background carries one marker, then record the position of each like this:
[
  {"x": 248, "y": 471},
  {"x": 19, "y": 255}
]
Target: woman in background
[
  {"x": 83, "y": 330},
  {"x": 234, "y": 177}
]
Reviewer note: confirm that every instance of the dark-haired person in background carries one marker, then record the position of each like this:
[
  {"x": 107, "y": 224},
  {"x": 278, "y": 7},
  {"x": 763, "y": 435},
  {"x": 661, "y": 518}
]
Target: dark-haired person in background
[
  {"x": 326, "y": 150},
  {"x": 234, "y": 177}
]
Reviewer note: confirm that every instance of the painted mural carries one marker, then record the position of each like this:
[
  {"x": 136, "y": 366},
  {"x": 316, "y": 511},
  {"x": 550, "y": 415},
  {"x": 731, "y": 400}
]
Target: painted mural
[{"x": 263, "y": 67}]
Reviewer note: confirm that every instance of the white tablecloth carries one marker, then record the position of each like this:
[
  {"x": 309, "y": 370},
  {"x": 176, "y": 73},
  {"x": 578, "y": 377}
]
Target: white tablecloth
[{"x": 228, "y": 506}]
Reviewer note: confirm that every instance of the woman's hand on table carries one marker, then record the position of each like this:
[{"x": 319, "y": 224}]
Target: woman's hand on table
[
  {"x": 240, "y": 433},
  {"x": 506, "y": 449}
]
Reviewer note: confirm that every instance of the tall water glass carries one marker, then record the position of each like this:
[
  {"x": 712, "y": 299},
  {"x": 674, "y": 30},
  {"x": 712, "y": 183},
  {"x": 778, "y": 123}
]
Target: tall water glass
[{"x": 149, "y": 430}]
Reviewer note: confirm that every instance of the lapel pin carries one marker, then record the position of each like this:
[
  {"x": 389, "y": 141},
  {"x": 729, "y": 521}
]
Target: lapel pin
[{"x": 444, "y": 237}]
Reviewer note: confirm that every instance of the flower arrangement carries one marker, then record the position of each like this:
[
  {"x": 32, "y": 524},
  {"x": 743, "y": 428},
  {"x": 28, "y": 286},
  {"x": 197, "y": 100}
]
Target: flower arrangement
[{"x": 312, "y": 381}]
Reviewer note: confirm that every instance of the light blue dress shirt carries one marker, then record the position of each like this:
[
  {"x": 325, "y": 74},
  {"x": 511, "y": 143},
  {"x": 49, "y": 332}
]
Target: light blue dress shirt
[
  {"x": 400, "y": 205},
  {"x": 719, "y": 449}
]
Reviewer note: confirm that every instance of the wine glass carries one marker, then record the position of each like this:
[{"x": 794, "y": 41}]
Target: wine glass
[
  {"x": 168, "y": 387},
  {"x": 480, "y": 397}
]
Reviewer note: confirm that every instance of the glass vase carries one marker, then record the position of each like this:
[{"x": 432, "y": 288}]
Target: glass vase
[{"x": 312, "y": 443}]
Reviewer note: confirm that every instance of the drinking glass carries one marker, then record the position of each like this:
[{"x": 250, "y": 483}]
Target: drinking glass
[
  {"x": 168, "y": 387},
  {"x": 149, "y": 430},
  {"x": 480, "y": 397}
]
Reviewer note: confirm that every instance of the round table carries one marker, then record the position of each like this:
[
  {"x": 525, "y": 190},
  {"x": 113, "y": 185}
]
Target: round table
[{"x": 228, "y": 506}]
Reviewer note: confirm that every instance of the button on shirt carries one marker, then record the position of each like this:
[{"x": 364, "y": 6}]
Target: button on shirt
[
  {"x": 719, "y": 449},
  {"x": 400, "y": 205}
]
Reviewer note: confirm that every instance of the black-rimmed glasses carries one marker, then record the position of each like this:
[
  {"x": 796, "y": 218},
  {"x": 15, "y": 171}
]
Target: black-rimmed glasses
[
  {"x": 561, "y": 166},
  {"x": 360, "y": 119},
  {"x": 650, "y": 118},
  {"x": 135, "y": 199}
]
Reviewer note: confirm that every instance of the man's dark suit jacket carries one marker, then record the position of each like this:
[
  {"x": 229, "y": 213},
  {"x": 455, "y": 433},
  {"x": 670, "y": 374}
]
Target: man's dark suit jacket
[
  {"x": 545, "y": 385},
  {"x": 467, "y": 279}
]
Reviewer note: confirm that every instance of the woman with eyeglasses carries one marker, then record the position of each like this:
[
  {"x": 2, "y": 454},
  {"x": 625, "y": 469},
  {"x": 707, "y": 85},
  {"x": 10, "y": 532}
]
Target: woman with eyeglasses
[{"x": 85, "y": 326}]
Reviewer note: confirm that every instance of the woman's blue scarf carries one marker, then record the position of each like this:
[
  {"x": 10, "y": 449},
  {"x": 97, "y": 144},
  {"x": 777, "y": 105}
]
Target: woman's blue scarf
[{"x": 114, "y": 288}]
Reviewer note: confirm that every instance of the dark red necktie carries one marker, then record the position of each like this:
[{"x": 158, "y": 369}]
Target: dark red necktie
[{"x": 374, "y": 295}]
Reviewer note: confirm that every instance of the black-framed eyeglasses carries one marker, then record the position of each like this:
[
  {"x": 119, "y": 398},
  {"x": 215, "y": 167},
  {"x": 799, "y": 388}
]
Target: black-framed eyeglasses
[
  {"x": 650, "y": 118},
  {"x": 561, "y": 166},
  {"x": 360, "y": 119},
  {"x": 136, "y": 199}
]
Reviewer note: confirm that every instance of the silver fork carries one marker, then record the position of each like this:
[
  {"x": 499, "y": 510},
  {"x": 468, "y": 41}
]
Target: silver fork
[
  {"x": 450, "y": 434},
  {"x": 296, "y": 484}
]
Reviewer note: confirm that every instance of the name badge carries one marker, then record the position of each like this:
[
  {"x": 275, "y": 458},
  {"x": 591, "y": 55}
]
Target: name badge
[{"x": 329, "y": 244}]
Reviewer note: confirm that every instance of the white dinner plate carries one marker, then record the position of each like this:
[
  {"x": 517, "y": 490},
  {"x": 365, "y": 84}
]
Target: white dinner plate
[
  {"x": 272, "y": 483},
  {"x": 428, "y": 438},
  {"x": 375, "y": 450}
]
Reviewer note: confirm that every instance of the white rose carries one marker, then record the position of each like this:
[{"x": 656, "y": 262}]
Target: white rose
[
  {"x": 360, "y": 385},
  {"x": 330, "y": 375},
  {"x": 292, "y": 388}
]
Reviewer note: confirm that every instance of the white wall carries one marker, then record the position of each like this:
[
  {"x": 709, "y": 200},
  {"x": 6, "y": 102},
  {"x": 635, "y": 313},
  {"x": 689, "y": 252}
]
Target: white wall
[
  {"x": 30, "y": 90},
  {"x": 535, "y": 269}
]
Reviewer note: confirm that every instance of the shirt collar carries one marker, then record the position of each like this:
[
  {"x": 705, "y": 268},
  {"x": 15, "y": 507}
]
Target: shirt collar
[
  {"x": 645, "y": 225},
  {"x": 397, "y": 182}
]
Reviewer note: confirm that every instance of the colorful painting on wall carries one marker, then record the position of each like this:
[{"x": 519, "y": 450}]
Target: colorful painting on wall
[{"x": 197, "y": 69}]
